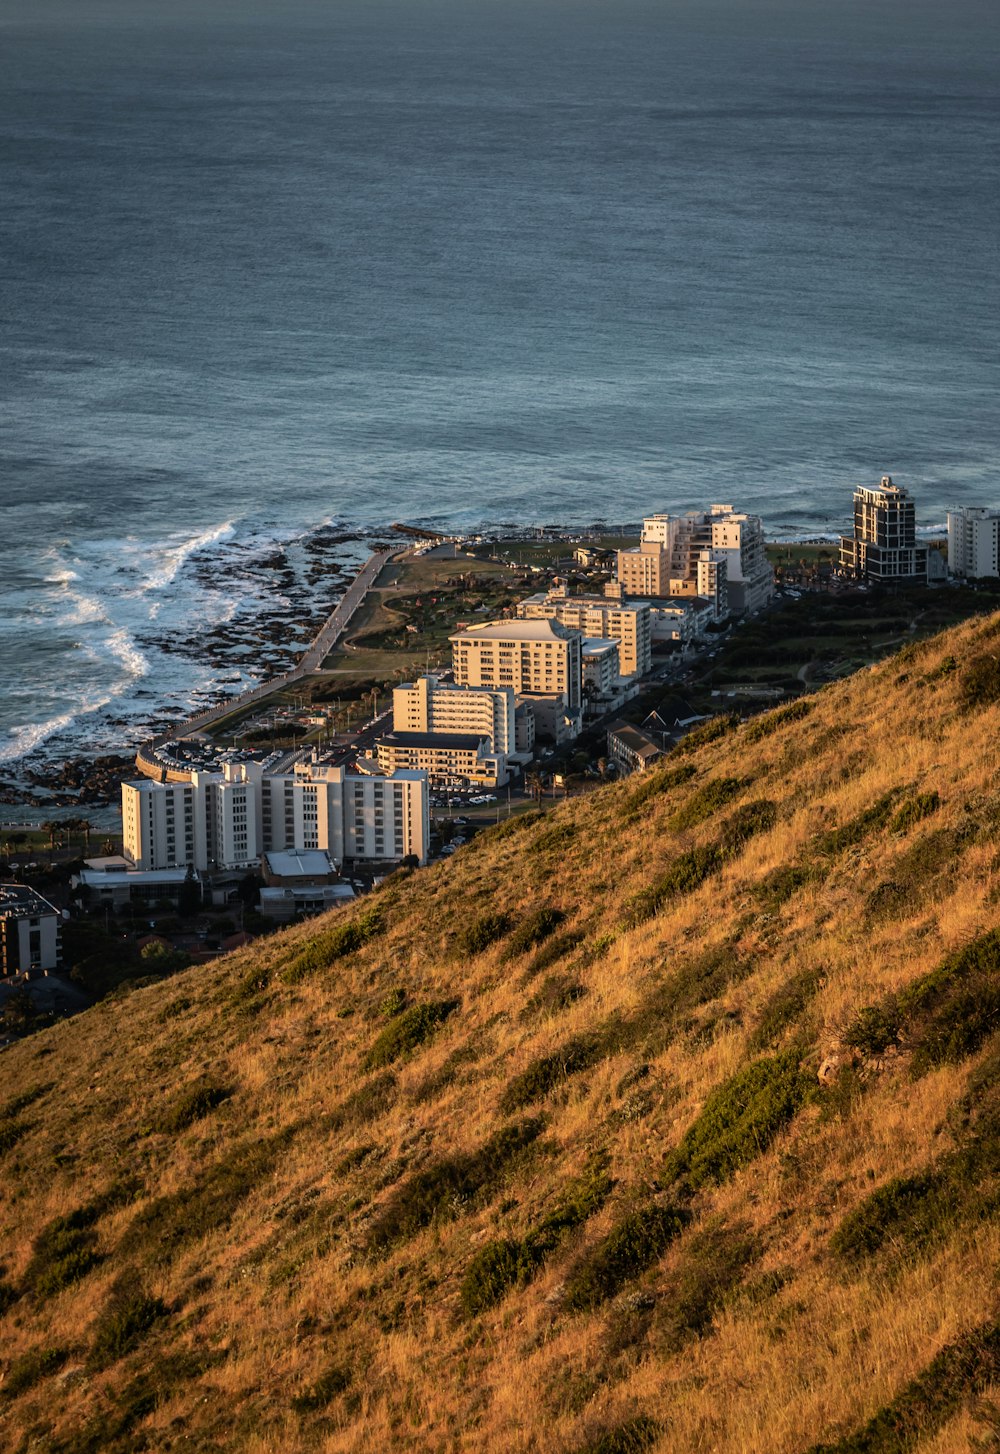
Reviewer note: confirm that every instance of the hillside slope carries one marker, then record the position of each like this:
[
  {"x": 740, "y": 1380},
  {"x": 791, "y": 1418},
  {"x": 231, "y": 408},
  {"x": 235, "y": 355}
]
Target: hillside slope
[{"x": 667, "y": 1121}]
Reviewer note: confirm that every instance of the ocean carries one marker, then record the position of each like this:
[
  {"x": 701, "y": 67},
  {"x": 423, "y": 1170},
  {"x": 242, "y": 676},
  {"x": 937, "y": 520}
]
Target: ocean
[{"x": 276, "y": 275}]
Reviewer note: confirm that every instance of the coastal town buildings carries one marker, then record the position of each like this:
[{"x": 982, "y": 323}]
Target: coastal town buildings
[
  {"x": 533, "y": 658},
  {"x": 883, "y": 546},
  {"x": 430, "y": 705},
  {"x": 300, "y": 884},
  {"x": 245, "y": 811},
  {"x": 632, "y": 749},
  {"x": 445, "y": 757},
  {"x": 29, "y": 931},
  {"x": 974, "y": 542},
  {"x": 626, "y": 622},
  {"x": 717, "y": 555}
]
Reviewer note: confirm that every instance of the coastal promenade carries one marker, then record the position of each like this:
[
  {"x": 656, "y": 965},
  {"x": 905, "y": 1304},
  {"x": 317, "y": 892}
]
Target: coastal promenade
[{"x": 310, "y": 661}]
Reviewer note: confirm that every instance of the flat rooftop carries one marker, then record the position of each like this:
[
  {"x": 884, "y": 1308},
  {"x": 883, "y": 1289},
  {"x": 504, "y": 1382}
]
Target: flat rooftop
[
  {"x": 310, "y": 863},
  {"x": 17, "y": 901},
  {"x": 457, "y": 741}
]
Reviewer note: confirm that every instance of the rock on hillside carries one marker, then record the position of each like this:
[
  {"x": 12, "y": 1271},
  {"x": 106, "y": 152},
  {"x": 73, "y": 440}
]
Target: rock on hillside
[{"x": 668, "y": 1121}]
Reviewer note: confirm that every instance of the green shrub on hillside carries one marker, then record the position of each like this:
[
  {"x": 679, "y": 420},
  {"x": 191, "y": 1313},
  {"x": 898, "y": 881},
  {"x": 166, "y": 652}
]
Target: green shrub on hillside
[
  {"x": 443, "y": 1189},
  {"x": 482, "y": 932},
  {"x": 392, "y": 1002},
  {"x": 687, "y": 873},
  {"x": 544, "y": 1074},
  {"x": 634, "y": 1436},
  {"x": 965, "y": 1367},
  {"x": 709, "y": 732},
  {"x": 364, "y": 1104},
  {"x": 872, "y": 818},
  {"x": 784, "y": 1007},
  {"x": 874, "y": 1028},
  {"x": 199, "y": 1208},
  {"x": 913, "y": 811},
  {"x": 555, "y": 994},
  {"x": 907, "y": 1209},
  {"x": 637, "y": 1241},
  {"x": 770, "y": 722},
  {"x": 31, "y": 1368},
  {"x": 551, "y": 952},
  {"x": 407, "y": 1031},
  {"x": 498, "y": 1266},
  {"x": 740, "y": 1119},
  {"x": 778, "y": 886},
  {"x": 736, "y": 831},
  {"x": 979, "y": 684},
  {"x": 192, "y": 1104},
  {"x": 552, "y": 838},
  {"x": 533, "y": 931},
  {"x": 953, "y": 1010},
  {"x": 326, "y": 948},
  {"x": 127, "y": 1317},
  {"x": 509, "y": 828},
  {"x": 705, "y": 801},
  {"x": 656, "y": 782},
  {"x": 714, "y": 1262},
  {"x": 66, "y": 1248},
  {"x": 334, "y": 1381}
]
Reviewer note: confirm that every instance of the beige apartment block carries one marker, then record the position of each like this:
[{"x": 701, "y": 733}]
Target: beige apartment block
[
  {"x": 530, "y": 657},
  {"x": 432, "y": 706},
  {"x": 717, "y": 555},
  {"x": 626, "y": 622},
  {"x": 450, "y": 758}
]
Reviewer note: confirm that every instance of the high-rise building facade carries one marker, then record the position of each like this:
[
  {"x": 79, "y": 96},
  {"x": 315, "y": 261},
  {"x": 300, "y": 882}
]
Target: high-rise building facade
[
  {"x": 884, "y": 546},
  {"x": 974, "y": 542},
  {"x": 718, "y": 555}
]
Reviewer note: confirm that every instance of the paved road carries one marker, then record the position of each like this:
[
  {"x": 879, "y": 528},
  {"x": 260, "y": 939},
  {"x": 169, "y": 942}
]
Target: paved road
[{"x": 311, "y": 660}]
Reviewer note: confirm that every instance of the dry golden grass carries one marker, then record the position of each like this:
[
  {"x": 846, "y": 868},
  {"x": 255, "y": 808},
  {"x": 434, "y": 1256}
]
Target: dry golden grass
[{"x": 272, "y": 1288}]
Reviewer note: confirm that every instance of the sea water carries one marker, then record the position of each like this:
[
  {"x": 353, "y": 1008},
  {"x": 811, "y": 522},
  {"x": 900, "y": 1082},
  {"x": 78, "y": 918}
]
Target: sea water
[{"x": 272, "y": 269}]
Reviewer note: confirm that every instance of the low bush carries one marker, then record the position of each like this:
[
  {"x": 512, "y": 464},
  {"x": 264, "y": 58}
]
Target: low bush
[
  {"x": 551, "y": 952},
  {"x": 740, "y": 1119},
  {"x": 870, "y": 820},
  {"x": 325, "y": 948},
  {"x": 705, "y": 801},
  {"x": 687, "y": 873},
  {"x": 544, "y": 1074},
  {"x": 634, "y": 1436},
  {"x": 509, "y": 828},
  {"x": 533, "y": 931},
  {"x": 759, "y": 816},
  {"x": 908, "y": 1208},
  {"x": 31, "y": 1368},
  {"x": 954, "y": 1009},
  {"x": 407, "y": 1031},
  {"x": 784, "y": 1007},
  {"x": 334, "y": 1381},
  {"x": 778, "y": 886},
  {"x": 979, "y": 684},
  {"x": 66, "y": 1248},
  {"x": 638, "y": 1240},
  {"x": 874, "y": 1028},
  {"x": 488, "y": 929},
  {"x": 392, "y": 1002},
  {"x": 713, "y": 1266},
  {"x": 966, "y": 1367},
  {"x": 553, "y": 838},
  {"x": 770, "y": 722},
  {"x": 657, "y": 782},
  {"x": 192, "y": 1104},
  {"x": 709, "y": 732},
  {"x": 914, "y": 811},
  {"x": 500, "y": 1265},
  {"x": 555, "y": 994},
  {"x": 127, "y": 1317},
  {"x": 201, "y": 1207},
  {"x": 10, "y": 1134},
  {"x": 365, "y": 1104},
  {"x": 444, "y": 1188}
]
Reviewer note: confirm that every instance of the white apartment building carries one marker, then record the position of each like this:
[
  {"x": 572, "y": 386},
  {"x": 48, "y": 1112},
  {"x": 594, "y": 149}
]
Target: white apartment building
[
  {"x": 627, "y": 622},
  {"x": 432, "y": 706},
  {"x": 226, "y": 820},
  {"x": 535, "y": 658},
  {"x": 600, "y": 666},
  {"x": 29, "y": 931},
  {"x": 211, "y": 822},
  {"x": 974, "y": 542}
]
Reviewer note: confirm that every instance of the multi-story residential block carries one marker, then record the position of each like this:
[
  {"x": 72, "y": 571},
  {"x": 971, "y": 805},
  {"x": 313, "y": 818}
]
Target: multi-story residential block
[
  {"x": 600, "y": 666},
  {"x": 445, "y": 757},
  {"x": 884, "y": 545},
  {"x": 430, "y": 705},
  {"x": 974, "y": 542},
  {"x": 626, "y": 622},
  {"x": 531, "y": 657},
  {"x": 244, "y": 811},
  {"x": 718, "y": 556},
  {"x": 29, "y": 931}
]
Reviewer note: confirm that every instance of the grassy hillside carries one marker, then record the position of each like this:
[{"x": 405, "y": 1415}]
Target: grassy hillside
[{"x": 668, "y": 1121}]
